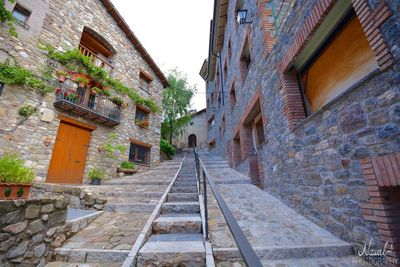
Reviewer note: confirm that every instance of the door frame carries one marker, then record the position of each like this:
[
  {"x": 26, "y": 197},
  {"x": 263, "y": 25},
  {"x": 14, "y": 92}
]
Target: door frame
[{"x": 73, "y": 122}]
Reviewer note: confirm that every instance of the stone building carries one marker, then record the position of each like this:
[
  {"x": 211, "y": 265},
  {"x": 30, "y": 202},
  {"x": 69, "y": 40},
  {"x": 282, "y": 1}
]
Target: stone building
[
  {"x": 196, "y": 132},
  {"x": 66, "y": 137},
  {"x": 304, "y": 97}
]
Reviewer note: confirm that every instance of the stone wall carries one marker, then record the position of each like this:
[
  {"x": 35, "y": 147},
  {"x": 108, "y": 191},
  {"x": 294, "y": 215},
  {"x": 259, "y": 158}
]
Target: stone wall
[
  {"x": 62, "y": 26},
  {"x": 30, "y": 230},
  {"x": 316, "y": 167}
]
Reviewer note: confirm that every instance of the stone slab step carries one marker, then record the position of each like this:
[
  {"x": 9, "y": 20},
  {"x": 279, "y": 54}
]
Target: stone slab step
[
  {"x": 183, "y": 189},
  {"x": 114, "y": 207},
  {"x": 177, "y": 224},
  {"x": 352, "y": 261},
  {"x": 65, "y": 264},
  {"x": 90, "y": 255},
  {"x": 133, "y": 194},
  {"x": 185, "y": 183},
  {"x": 175, "y": 197},
  {"x": 180, "y": 207}
]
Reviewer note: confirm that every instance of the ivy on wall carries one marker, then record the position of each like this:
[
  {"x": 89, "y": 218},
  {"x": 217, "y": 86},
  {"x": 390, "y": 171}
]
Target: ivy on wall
[
  {"x": 7, "y": 17},
  {"x": 74, "y": 60}
]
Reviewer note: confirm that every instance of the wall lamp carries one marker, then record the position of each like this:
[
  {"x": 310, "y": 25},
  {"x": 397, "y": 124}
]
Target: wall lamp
[{"x": 242, "y": 16}]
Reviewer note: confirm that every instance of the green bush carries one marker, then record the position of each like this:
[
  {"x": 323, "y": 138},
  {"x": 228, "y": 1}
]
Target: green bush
[
  {"x": 96, "y": 173},
  {"x": 128, "y": 165},
  {"x": 26, "y": 111},
  {"x": 13, "y": 170},
  {"x": 167, "y": 148}
]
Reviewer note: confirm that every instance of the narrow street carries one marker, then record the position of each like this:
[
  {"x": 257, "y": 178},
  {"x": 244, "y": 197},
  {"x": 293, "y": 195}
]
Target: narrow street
[{"x": 173, "y": 232}]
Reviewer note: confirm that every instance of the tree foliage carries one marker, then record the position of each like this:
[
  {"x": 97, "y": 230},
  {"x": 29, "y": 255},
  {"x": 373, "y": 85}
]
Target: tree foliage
[{"x": 176, "y": 105}]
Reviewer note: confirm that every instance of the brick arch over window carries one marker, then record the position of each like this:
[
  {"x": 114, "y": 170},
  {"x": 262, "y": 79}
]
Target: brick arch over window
[{"x": 371, "y": 22}]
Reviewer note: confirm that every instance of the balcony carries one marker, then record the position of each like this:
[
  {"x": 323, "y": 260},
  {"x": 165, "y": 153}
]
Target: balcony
[
  {"x": 93, "y": 107},
  {"x": 98, "y": 60}
]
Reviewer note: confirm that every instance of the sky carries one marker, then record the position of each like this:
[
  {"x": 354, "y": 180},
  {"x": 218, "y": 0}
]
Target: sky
[{"x": 175, "y": 33}]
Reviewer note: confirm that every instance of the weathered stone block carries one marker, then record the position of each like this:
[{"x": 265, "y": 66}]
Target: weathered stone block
[
  {"x": 47, "y": 208},
  {"x": 16, "y": 228},
  {"x": 387, "y": 131},
  {"x": 352, "y": 118},
  {"x": 36, "y": 226},
  {"x": 39, "y": 250},
  {"x": 18, "y": 250},
  {"x": 32, "y": 211}
]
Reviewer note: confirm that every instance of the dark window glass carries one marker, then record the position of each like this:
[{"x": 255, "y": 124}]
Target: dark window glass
[{"x": 139, "y": 154}]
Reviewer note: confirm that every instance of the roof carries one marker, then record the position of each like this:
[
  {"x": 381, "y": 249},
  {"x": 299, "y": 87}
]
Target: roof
[
  {"x": 199, "y": 112},
  {"x": 134, "y": 40}
]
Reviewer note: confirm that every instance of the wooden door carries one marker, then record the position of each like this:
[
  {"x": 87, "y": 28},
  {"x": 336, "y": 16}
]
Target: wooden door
[
  {"x": 69, "y": 154},
  {"x": 192, "y": 140}
]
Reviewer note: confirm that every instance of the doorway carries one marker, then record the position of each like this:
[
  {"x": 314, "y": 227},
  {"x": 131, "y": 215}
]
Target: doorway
[
  {"x": 68, "y": 160},
  {"x": 192, "y": 142}
]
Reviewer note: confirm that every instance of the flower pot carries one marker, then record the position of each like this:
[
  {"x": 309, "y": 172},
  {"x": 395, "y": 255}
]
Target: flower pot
[
  {"x": 14, "y": 191},
  {"x": 61, "y": 78},
  {"x": 96, "y": 181}
]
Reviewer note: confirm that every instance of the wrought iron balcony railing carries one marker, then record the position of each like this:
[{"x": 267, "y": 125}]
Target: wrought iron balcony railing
[{"x": 93, "y": 107}]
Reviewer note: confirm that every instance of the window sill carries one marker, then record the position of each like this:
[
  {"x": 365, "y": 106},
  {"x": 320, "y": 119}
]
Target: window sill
[{"x": 328, "y": 105}]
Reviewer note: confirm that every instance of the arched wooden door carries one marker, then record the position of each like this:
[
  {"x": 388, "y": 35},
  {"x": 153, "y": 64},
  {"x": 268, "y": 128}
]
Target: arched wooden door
[{"x": 192, "y": 140}]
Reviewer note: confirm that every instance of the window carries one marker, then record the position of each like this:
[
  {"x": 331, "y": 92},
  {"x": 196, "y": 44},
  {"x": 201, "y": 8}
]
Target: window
[
  {"x": 139, "y": 153},
  {"x": 229, "y": 51},
  {"x": 21, "y": 15},
  {"x": 223, "y": 126},
  {"x": 226, "y": 70},
  {"x": 145, "y": 81},
  {"x": 211, "y": 122},
  {"x": 142, "y": 117},
  {"x": 1, "y": 88},
  {"x": 344, "y": 59},
  {"x": 259, "y": 128},
  {"x": 232, "y": 96},
  {"x": 219, "y": 100},
  {"x": 245, "y": 59}
]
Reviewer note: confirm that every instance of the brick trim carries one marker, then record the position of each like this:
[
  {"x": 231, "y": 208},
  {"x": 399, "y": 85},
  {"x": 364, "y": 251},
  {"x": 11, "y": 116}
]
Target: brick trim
[
  {"x": 382, "y": 176},
  {"x": 293, "y": 107},
  {"x": 371, "y": 22},
  {"x": 267, "y": 26}
]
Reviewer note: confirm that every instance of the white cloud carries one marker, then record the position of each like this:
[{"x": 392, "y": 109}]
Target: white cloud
[{"x": 174, "y": 32}]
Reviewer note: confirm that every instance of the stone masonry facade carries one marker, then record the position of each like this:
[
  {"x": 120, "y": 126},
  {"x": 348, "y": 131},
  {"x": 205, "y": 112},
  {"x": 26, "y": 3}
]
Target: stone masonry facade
[
  {"x": 316, "y": 164},
  {"x": 61, "y": 24}
]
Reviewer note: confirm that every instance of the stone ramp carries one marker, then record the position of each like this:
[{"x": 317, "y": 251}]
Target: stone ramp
[{"x": 278, "y": 234}]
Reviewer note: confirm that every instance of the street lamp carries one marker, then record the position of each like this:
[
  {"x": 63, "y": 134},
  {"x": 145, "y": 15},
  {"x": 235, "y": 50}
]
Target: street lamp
[{"x": 242, "y": 16}]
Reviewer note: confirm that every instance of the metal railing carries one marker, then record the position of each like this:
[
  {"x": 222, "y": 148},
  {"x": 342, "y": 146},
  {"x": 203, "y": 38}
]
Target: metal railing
[
  {"x": 280, "y": 11},
  {"x": 98, "y": 105},
  {"x": 203, "y": 177},
  {"x": 99, "y": 62}
]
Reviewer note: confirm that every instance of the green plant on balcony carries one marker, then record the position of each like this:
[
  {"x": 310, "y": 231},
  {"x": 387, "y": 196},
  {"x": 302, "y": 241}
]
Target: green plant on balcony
[
  {"x": 117, "y": 100},
  {"x": 72, "y": 97},
  {"x": 26, "y": 111},
  {"x": 75, "y": 61},
  {"x": 82, "y": 82},
  {"x": 107, "y": 93},
  {"x": 142, "y": 123},
  {"x": 62, "y": 75},
  {"x": 96, "y": 90}
]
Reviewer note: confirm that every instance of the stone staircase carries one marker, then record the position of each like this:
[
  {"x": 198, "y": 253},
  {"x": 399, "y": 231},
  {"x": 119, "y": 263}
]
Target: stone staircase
[{"x": 177, "y": 238}]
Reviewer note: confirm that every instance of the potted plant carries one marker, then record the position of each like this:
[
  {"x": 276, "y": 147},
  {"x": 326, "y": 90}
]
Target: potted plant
[
  {"x": 62, "y": 75},
  {"x": 96, "y": 90},
  {"x": 117, "y": 100},
  {"x": 72, "y": 97},
  {"x": 96, "y": 175},
  {"x": 107, "y": 93},
  {"x": 142, "y": 123},
  {"x": 82, "y": 82},
  {"x": 127, "y": 167},
  {"x": 15, "y": 178}
]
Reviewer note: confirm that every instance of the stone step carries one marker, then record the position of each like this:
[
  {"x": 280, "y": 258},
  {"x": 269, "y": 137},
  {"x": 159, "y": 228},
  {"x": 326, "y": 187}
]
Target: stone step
[
  {"x": 177, "y": 224},
  {"x": 182, "y": 197},
  {"x": 173, "y": 250},
  {"x": 183, "y": 189},
  {"x": 180, "y": 207},
  {"x": 352, "y": 261},
  {"x": 185, "y": 183},
  {"x": 90, "y": 255},
  {"x": 133, "y": 194},
  {"x": 114, "y": 207},
  {"x": 65, "y": 264}
]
